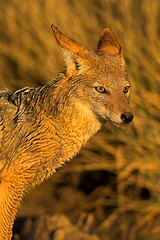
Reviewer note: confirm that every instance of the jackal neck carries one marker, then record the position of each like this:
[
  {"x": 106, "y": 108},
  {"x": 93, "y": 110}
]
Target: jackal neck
[
  {"x": 65, "y": 134},
  {"x": 51, "y": 127}
]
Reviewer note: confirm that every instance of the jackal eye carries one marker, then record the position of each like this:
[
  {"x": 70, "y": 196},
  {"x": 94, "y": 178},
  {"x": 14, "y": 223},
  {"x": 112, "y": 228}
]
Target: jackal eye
[
  {"x": 126, "y": 89},
  {"x": 100, "y": 89}
]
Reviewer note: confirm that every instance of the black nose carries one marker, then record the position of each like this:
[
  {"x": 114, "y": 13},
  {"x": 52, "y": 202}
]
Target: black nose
[{"x": 127, "y": 117}]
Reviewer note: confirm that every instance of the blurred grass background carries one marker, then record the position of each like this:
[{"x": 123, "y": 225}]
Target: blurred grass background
[{"x": 115, "y": 180}]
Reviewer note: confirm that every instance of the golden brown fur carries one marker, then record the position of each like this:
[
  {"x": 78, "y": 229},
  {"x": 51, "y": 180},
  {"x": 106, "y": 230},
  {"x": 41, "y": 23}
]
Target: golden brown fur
[{"x": 42, "y": 128}]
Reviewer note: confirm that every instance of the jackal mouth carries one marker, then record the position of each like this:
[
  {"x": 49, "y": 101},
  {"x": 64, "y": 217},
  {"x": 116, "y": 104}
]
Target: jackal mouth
[{"x": 120, "y": 125}]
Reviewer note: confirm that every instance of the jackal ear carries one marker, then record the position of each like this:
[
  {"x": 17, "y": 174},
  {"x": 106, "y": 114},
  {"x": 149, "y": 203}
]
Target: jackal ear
[
  {"x": 72, "y": 62},
  {"x": 108, "y": 43},
  {"x": 75, "y": 55}
]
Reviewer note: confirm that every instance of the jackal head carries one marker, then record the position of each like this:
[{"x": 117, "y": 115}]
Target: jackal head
[{"x": 99, "y": 79}]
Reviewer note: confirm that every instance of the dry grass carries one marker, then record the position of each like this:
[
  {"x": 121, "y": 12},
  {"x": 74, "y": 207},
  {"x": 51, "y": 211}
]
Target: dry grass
[{"x": 29, "y": 55}]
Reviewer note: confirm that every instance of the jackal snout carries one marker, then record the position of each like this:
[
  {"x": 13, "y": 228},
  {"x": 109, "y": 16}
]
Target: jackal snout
[{"x": 127, "y": 117}]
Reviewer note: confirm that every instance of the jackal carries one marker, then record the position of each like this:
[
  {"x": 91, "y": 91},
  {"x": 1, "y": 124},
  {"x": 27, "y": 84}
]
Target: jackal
[{"x": 42, "y": 128}]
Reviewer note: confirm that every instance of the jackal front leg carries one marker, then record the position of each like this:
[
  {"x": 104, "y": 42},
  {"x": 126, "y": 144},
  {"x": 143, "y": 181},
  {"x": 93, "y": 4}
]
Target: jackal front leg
[{"x": 11, "y": 192}]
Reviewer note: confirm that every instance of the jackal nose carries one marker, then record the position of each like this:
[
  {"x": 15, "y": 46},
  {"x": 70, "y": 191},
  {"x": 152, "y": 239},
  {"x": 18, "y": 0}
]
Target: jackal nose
[{"x": 127, "y": 117}]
